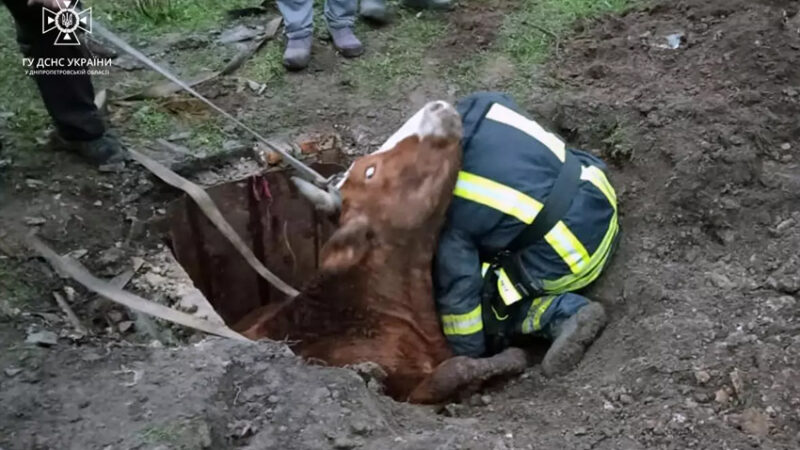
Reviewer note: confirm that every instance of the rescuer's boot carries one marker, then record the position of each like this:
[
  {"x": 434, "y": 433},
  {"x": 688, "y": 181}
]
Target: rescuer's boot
[{"x": 571, "y": 338}]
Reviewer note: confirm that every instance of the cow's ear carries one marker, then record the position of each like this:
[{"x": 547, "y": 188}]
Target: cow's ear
[{"x": 348, "y": 246}]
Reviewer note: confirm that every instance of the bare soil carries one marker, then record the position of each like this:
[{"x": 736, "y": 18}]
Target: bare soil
[{"x": 703, "y": 349}]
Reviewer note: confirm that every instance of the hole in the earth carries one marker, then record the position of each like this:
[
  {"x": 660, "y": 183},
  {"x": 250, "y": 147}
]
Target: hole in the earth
[{"x": 282, "y": 229}]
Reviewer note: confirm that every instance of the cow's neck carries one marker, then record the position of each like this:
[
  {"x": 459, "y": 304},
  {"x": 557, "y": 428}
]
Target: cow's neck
[{"x": 394, "y": 281}]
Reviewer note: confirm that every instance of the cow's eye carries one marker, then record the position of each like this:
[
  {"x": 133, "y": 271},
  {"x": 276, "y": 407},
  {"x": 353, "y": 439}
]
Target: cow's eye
[{"x": 370, "y": 172}]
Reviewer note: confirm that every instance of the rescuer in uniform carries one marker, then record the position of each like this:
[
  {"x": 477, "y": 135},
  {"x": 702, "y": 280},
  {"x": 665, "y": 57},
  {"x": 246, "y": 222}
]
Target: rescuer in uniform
[{"x": 531, "y": 223}]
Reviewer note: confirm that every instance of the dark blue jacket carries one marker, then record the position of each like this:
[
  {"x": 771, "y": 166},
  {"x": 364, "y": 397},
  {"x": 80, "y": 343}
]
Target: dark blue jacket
[{"x": 509, "y": 166}]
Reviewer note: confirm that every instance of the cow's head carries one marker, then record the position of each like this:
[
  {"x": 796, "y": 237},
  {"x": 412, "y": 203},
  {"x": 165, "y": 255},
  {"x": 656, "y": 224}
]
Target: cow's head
[{"x": 397, "y": 195}]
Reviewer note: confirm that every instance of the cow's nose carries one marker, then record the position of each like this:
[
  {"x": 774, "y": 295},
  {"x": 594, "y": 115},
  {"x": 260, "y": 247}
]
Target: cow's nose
[
  {"x": 440, "y": 119},
  {"x": 436, "y": 106}
]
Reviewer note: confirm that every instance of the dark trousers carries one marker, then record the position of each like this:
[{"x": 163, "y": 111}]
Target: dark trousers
[{"x": 69, "y": 99}]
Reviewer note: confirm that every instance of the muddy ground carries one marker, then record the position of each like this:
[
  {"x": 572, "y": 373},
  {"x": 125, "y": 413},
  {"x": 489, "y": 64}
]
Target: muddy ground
[{"x": 703, "y": 350}]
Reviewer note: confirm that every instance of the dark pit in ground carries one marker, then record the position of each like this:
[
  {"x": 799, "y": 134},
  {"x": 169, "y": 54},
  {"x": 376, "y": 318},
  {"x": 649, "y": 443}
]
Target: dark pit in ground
[{"x": 283, "y": 230}]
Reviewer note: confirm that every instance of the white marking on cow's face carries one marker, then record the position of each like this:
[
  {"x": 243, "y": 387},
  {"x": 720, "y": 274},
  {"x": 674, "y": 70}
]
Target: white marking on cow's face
[{"x": 434, "y": 119}]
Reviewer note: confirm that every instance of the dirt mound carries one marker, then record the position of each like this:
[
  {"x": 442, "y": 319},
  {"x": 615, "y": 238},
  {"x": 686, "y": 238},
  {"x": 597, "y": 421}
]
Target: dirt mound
[
  {"x": 221, "y": 395},
  {"x": 704, "y": 144}
]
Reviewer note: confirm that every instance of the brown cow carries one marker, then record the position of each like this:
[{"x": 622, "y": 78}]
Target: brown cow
[{"x": 373, "y": 300}]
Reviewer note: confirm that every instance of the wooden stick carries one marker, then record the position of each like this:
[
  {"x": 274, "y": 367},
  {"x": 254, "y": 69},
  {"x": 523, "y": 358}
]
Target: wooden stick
[{"x": 71, "y": 316}]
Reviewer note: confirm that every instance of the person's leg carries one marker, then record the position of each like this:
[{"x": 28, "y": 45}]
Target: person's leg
[
  {"x": 375, "y": 10},
  {"x": 298, "y": 18},
  {"x": 572, "y": 321},
  {"x": 68, "y": 98},
  {"x": 341, "y": 16}
]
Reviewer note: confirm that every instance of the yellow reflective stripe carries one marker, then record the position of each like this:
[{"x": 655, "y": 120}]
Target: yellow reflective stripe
[
  {"x": 502, "y": 114},
  {"x": 533, "y": 320},
  {"x": 484, "y": 269},
  {"x": 462, "y": 324},
  {"x": 574, "y": 282},
  {"x": 496, "y": 315},
  {"x": 596, "y": 176},
  {"x": 495, "y": 195},
  {"x": 568, "y": 247},
  {"x": 508, "y": 292}
]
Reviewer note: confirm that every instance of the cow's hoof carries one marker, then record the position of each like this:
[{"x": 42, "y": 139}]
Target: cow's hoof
[{"x": 574, "y": 336}]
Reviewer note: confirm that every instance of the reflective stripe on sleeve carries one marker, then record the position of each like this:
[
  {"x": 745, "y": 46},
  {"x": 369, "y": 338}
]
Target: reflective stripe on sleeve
[
  {"x": 497, "y": 196},
  {"x": 533, "y": 321},
  {"x": 568, "y": 247},
  {"x": 462, "y": 324},
  {"x": 505, "y": 115}
]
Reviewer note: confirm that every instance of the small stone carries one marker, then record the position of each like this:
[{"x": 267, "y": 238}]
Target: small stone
[
  {"x": 43, "y": 338},
  {"x": 77, "y": 254},
  {"x": 125, "y": 326},
  {"x": 254, "y": 86},
  {"x": 753, "y": 421},
  {"x": 702, "y": 397},
  {"x": 625, "y": 399},
  {"x": 608, "y": 406},
  {"x": 98, "y": 203},
  {"x": 110, "y": 256},
  {"x": 115, "y": 316},
  {"x": 274, "y": 158},
  {"x": 13, "y": 371},
  {"x": 786, "y": 146},
  {"x": 343, "y": 442},
  {"x": 722, "y": 396},
  {"x": 35, "y": 221},
  {"x": 360, "y": 427},
  {"x": 737, "y": 140},
  {"x": 33, "y": 183},
  {"x": 702, "y": 376},
  {"x": 580, "y": 431},
  {"x": 678, "y": 418},
  {"x": 486, "y": 400},
  {"x": 273, "y": 399}
]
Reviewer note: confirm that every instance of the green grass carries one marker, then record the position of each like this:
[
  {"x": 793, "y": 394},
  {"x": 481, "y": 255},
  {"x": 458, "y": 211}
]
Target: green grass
[
  {"x": 15, "y": 290},
  {"x": 528, "y": 37},
  {"x": 525, "y": 35},
  {"x": 166, "y": 16},
  {"x": 402, "y": 54},
  {"x": 266, "y": 66}
]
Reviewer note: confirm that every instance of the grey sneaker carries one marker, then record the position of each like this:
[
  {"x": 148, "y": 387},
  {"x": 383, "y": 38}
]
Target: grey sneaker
[
  {"x": 102, "y": 151},
  {"x": 298, "y": 53},
  {"x": 346, "y": 42},
  {"x": 572, "y": 337},
  {"x": 438, "y": 5},
  {"x": 375, "y": 10}
]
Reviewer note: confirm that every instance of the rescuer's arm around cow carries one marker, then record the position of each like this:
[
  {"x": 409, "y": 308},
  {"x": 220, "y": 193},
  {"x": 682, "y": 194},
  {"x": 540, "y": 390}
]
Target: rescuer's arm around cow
[{"x": 457, "y": 289}]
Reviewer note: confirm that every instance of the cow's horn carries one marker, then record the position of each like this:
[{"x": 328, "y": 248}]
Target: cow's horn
[{"x": 329, "y": 202}]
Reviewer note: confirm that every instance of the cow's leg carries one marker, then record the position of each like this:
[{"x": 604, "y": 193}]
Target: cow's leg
[{"x": 460, "y": 372}]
